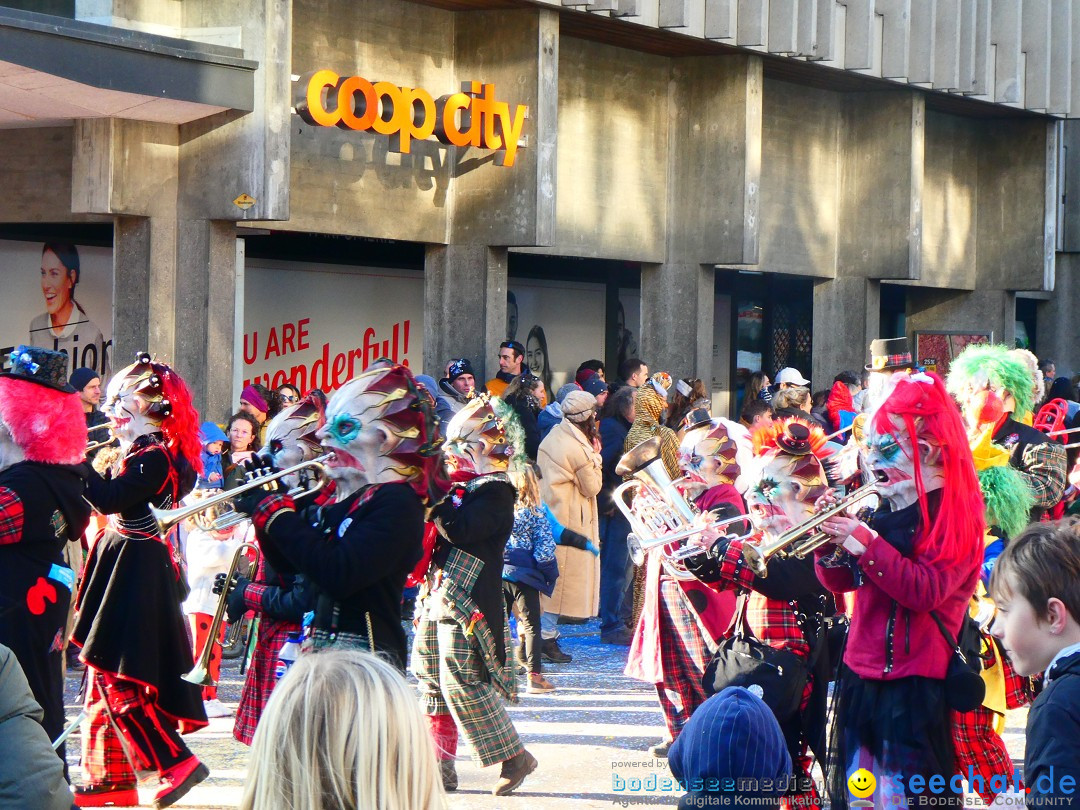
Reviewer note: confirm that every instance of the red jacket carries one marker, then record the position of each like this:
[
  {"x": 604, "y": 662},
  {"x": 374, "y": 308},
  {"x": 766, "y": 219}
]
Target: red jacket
[
  {"x": 892, "y": 633},
  {"x": 839, "y": 400}
]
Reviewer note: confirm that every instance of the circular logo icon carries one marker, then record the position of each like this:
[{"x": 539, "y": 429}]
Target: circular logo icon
[
  {"x": 756, "y": 690},
  {"x": 861, "y": 783}
]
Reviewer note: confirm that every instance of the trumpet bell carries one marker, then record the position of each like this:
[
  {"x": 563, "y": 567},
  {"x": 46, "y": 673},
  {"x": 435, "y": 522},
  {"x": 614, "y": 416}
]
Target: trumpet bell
[{"x": 199, "y": 675}]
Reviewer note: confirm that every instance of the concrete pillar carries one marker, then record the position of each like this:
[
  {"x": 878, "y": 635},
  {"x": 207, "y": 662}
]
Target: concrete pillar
[
  {"x": 952, "y": 311},
  {"x": 144, "y": 283},
  {"x": 205, "y": 301},
  {"x": 846, "y": 318},
  {"x": 1055, "y": 319},
  {"x": 464, "y": 306},
  {"x": 677, "y": 304}
]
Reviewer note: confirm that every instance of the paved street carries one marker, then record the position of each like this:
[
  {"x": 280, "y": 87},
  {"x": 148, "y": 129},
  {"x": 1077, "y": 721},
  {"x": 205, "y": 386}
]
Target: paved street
[{"x": 592, "y": 732}]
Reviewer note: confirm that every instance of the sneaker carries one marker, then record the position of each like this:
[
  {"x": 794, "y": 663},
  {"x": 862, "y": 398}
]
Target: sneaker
[
  {"x": 73, "y": 662},
  {"x": 620, "y": 636},
  {"x": 449, "y": 775},
  {"x": 550, "y": 651},
  {"x": 215, "y": 708},
  {"x": 106, "y": 796},
  {"x": 661, "y": 748},
  {"x": 514, "y": 771},
  {"x": 538, "y": 684},
  {"x": 178, "y": 780}
]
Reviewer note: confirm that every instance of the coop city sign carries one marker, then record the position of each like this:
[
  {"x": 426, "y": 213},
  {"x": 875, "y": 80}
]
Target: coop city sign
[{"x": 471, "y": 117}]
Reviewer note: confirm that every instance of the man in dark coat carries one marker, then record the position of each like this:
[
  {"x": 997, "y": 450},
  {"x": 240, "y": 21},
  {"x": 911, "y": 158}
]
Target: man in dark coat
[{"x": 42, "y": 439}]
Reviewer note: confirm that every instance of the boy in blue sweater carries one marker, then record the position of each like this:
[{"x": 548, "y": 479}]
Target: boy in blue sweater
[{"x": 1036, "y": 585}]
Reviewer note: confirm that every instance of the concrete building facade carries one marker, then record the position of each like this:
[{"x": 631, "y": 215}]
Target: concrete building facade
[{"x": 776, "y": 182}]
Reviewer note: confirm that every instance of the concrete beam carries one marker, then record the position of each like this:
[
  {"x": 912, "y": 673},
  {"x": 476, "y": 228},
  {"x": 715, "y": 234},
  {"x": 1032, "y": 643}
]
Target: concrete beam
[
  {"x": 1035, "y": 42},
  {"x": 1005, "y": 27},
  {"x": 1061, "y": 56},
  {"x": 714, "y": 160},
  {"x": 783, "y": 27},
  {"x": 494, "y": 204},
  {"x": 464, "y": 306},
  {"x": 882, "y": 136},
  {"x": 895, "y": 37},
  {"x": 947, "y": 45},
  {"x": 859, "y": 34},
  {"x": 846, "y": 319},
  {"x": 753, "y": 24},
  {"x": 923, "y": 33},
  {"x": 720, "y": 19},
  {"x": 982, "y": 310},
  {"x": 677, "y": 310},
  {"x": 229, "y": 155}
]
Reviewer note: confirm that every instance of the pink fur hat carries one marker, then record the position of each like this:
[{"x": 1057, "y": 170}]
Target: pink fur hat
[{"x": 48, "y": 424}]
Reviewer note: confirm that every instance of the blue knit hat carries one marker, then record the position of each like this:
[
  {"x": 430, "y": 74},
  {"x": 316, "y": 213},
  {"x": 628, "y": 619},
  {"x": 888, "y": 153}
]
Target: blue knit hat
[
  {"x": 210, "y": 432},
  {"x": 732, "y": 735}
]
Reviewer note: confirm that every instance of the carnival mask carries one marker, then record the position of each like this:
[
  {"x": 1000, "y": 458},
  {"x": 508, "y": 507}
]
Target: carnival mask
[
  {"x": 891, "y": 459},
  {"x": 291, "y": 437},
  {"x": 476, "y": 440},
  {"x": 714, "y": 453},
  {"x": 134, "y": 401},
  {"x": 377, "y": 427},
  {"x": 783, "y": 489}
]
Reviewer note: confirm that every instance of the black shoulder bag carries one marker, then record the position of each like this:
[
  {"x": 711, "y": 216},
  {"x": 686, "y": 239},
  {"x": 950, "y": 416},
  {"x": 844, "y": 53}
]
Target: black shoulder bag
[
  {"x": 964, "y": 687},
  {"x": 776, "y": 676}
]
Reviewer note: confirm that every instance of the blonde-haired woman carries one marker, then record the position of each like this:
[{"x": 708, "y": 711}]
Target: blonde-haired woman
[{"x": 342, "y": 731}]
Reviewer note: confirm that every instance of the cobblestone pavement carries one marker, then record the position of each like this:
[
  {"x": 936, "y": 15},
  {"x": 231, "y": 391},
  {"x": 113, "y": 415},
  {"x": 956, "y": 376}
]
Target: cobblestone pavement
[{"x": 591, "y": 734}]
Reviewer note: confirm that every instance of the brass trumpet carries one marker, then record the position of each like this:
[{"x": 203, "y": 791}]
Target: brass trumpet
[
  {"x": 639, "y": 547},
  {"x": 92, "y": 446},
  {"x": 802, "y": 539},
  {"x": 167, "y": 518},
  {"x": 200, "y": 673}
]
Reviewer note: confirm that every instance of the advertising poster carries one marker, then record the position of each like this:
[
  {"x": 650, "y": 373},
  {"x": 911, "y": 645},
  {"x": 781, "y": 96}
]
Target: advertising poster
[
  {"x": 319, "y": 325},
  {"x": 560, "y": 323},
  {"x": 58, "y": 296},
  {"x": 935, "y": 350}
]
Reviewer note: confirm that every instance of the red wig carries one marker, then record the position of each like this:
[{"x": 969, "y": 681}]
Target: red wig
[
  {"x": 921, "y": 403},
  {"x": 181, "y": 426},
  {"x": 48, "y": 425}
]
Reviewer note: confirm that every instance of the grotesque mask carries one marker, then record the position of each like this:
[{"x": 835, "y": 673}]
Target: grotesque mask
[
  {"x": 786, "y": 478},
  {"x": 135, "y": 400},
  {"x": 715, "y": 453},
  {"x": 291, "y": 436},
  {"x": 381, "y": 430},
  {"x": 892, "y": 458},
  {"x": 476, "y": 441}
]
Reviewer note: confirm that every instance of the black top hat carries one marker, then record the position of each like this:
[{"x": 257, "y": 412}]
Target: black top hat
[
  {"x": 699, "y": 417},
  {"x": 888, "y": 354},
  {"x": 795, "y": 439},
  {"x": 41, "y": 366}
]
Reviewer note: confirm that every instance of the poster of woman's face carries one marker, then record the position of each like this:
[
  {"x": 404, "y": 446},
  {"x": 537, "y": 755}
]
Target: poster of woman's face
[{"x": 62, "y": 293}]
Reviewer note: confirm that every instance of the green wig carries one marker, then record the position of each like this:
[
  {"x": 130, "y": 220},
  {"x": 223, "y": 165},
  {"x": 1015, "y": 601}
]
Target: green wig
[
  {"x": 1008, "y": 499},
  {"x": 1003, "y": 370}
]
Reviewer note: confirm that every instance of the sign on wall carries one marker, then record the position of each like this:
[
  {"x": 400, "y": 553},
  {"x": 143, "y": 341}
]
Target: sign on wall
[
  {"x": 560, "y": 323},
  {"x": 58, "y": 296},
  {"x": 936, "y": 350},
  {"x": 318, "y": 326}
]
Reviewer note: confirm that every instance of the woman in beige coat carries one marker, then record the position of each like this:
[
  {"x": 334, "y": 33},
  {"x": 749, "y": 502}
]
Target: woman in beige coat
[{"x": 570, "y": 463}]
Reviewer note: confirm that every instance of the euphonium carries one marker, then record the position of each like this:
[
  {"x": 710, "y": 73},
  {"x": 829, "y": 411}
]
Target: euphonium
[
  {"x": 802, "y": 539},
  {"x": 657, "y": 512},
  {"x": 200, "y": 673}
]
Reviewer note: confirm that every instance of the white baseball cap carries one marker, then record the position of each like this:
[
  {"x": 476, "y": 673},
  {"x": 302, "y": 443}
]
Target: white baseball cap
[{"x": 790, "y": 375}]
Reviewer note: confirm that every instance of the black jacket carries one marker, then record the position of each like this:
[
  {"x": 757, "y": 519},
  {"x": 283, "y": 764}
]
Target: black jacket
[
  {"x": 480, "y": 526},
  {"x": 357, "y": 557},
  {"x": 1053, "y": 739},
  {"x": 613, "y": 430}
]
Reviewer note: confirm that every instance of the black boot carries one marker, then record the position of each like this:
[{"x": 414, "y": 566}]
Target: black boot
[
  {"x": 449, "y": 775},
  {"x": 550, "y": 651}
]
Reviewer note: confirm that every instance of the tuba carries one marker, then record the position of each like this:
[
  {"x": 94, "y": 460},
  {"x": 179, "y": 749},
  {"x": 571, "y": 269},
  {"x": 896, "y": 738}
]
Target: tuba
[{"x": 659, "y": 515}]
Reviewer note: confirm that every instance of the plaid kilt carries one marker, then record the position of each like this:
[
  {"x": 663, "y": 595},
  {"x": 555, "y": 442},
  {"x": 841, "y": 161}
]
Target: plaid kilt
[
  {"x": 103, "y": 759},
  {"x": 979, "y": 747},
  {"x": 453, "y": 679},
  {"x": 260, "y": 681},
  {"x": 684, "y": 653}
]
